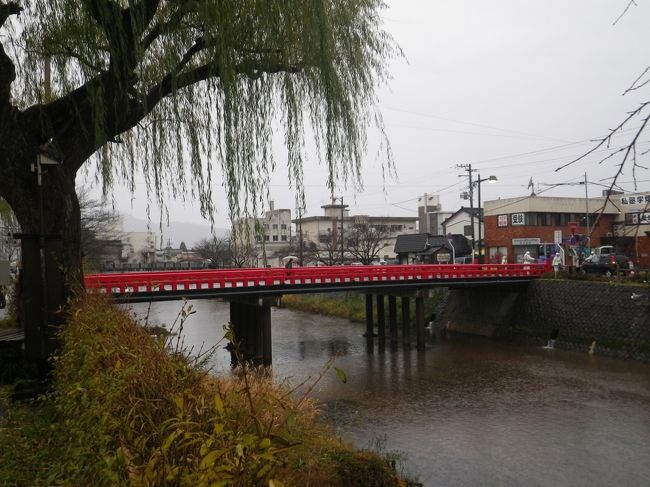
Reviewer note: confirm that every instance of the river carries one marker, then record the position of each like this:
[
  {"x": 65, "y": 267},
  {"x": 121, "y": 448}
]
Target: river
[{"x": 466, "y": 411}]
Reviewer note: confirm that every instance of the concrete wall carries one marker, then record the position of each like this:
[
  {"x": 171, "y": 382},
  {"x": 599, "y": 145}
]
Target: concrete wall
[{"x": 582, "y": 312}]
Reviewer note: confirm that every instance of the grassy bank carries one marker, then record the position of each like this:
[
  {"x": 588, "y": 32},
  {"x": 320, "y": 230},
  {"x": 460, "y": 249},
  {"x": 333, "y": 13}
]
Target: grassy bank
[{"x": 129, "y": 409}]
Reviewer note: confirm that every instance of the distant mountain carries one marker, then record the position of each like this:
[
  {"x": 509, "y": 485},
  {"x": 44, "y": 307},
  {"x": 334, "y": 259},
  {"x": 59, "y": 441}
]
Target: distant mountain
[{"x": 176, "y": 232}]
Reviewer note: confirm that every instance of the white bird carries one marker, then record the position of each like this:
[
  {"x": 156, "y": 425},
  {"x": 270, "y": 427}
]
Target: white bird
[{"x": 636, "y": 296}]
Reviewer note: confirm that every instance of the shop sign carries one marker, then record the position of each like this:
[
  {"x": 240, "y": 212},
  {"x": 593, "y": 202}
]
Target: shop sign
[
  {"x": 443, "y": 257},
  {"x": 517, "y": 219},
  {"x": 642, "y": 199},
  {"x": 526, "y": 241},
  {"x": 637, "y": 218}
]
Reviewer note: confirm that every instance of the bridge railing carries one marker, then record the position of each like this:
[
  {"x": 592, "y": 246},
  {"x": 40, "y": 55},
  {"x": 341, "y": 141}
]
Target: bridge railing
[{"x": 134, "y": 282}]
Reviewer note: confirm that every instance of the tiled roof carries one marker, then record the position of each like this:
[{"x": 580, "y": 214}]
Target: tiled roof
[{"x": 420, "y": 242}]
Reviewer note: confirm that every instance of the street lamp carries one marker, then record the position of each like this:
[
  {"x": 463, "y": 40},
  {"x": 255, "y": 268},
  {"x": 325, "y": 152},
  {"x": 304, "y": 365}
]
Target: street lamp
[{"x": 490, "y": 180}]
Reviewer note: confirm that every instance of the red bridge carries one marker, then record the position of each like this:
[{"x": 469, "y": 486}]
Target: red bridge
[
  {"x": 170, "y": 285},
  {"x": 252, "y": 292}
]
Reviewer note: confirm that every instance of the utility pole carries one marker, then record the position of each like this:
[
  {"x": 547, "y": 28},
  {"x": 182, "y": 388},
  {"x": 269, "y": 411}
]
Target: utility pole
[
  {"x": 587, "y": 211},
  {"x": 468, "y": 168}
]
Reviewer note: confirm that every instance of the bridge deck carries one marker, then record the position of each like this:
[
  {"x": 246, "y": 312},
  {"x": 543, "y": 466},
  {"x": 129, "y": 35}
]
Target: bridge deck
[{"x": 168, "y": 285}]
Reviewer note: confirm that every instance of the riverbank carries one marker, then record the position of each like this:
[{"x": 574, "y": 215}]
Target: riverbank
[
  {"x": 606, "y": 318},
  {"x": 126, "y": 408}
]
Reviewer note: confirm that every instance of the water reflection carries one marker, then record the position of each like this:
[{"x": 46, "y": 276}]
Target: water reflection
[{"x": 465, "y": 411}]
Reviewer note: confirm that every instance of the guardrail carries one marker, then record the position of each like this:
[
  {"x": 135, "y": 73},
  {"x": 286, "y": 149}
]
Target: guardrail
[{"x": 269, "y": 278}]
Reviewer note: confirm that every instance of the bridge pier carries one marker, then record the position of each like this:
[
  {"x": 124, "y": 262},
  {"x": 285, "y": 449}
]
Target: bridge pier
[
  {"x": 381, "y": 318},
  {"x": 370, "y": 333},
  {"x": 406, "y": 318},
  {"x": 251, "y": 321},
  {"x": 419, "y": 322},
  {"x": 392, "y": 317}
]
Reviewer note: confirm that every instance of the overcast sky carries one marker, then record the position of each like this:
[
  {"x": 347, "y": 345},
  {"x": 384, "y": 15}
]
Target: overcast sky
[{"x": 516, "y": 88}]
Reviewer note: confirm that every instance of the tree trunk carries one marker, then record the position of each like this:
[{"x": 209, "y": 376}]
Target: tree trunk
[{"x": 51, "y": 270}]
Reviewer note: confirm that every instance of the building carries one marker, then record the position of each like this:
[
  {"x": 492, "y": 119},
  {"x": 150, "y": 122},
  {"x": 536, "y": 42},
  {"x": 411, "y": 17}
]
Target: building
[
  {"x": 138, "y": 247},
  {"x": 460, "y": 223},
  {"x": 631, "y": 230},
  {"x": 430, "y": 214},
  {"x": 323, "y": 232},
  {"x": 516, "y": 225},
  {"x": 264, "y": 240},
  {"x": 424, "y": 248}
]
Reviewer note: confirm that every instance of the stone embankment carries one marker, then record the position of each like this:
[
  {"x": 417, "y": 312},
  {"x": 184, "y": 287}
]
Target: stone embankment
[{"x": 605, "y": 318}]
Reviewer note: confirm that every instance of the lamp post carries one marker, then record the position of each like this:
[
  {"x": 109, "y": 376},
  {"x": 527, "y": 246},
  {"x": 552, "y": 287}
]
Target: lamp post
[{"x": 490, "y": 179}]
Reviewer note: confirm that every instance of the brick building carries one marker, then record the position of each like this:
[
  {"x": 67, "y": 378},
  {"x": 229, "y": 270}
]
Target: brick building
[{"x": 516, "y": 225}]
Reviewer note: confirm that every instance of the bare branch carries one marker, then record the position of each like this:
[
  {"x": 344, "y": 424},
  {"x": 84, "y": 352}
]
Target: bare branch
[
  {"x": 634, "y": 85},
  {"x": 607, "y": 139},
  {"x": 627, "y": 7}
]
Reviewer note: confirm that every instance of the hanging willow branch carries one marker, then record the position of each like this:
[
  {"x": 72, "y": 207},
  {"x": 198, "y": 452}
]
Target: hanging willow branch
[{"x": 189, "y": 92}]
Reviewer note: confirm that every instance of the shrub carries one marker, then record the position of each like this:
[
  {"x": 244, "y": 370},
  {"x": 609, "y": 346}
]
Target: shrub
[{"x": 129, "y": 409}]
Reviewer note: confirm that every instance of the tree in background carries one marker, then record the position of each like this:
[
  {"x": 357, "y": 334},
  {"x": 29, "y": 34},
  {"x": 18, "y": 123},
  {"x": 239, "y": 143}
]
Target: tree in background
[
  {"x": 99, "y": 227},
  {"x": 216, "y": 250},
  {"x": 8, "y": 226},
  {"x": 365, "y": 242},
  {"x": 183, "y": 247},
  {"x": 186, "y": 93},
  {"x": 631, "y": 155},
  {"x": 326, "y": 252}
]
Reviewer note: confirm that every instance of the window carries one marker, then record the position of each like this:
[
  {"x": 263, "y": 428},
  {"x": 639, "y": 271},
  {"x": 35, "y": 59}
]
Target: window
[
  {"x": 266, "y": 238},
  {"x": 266, "y": 226},
  {"x": 395, "y": 228},
  {"x": 275, "y": 238},
  {"x": 546, "y": 219},
  {"x": 502, "y": 221},
  {"x": 467, "y": 230},
  {"x": 530, "y": 219},
  {"x": 275, "y": 226},
  {"x": 518, "y": 219},
  {"x": 283, "y": 238},
  {"x": 283, "y": 226}
]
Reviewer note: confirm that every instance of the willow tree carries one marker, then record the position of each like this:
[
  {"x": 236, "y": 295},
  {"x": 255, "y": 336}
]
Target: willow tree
[{"x": 186, "y": 92}]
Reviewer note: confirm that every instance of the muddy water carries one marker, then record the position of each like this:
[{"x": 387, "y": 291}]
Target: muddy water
[{"x": 466, "y": 411}]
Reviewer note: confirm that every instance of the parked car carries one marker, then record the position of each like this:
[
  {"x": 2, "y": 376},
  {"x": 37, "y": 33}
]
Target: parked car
[{"x": 606, "y": 264}]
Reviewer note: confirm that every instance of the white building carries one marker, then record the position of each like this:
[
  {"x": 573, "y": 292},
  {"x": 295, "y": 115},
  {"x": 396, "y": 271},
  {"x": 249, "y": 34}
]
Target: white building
[
  {"x": 324, "y": 230},
  {"x": 267, "y": 239}
]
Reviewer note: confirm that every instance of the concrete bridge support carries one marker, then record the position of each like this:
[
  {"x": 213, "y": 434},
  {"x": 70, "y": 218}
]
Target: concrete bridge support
[
  {"x": 370, "y": 333},
  {"x": 419, "y": 322},
  {"x": 480, "y": 310},
  {"x": 405, "y": 297},
  {"x": 251, "y": 320},
  {"x": 381, "y": 318},
  {"x": 392, "y": 317},
  {"x": 406, "y": 318}
]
